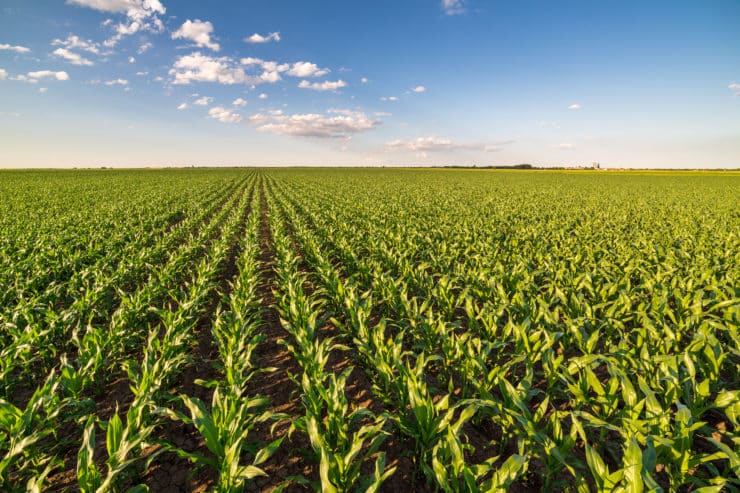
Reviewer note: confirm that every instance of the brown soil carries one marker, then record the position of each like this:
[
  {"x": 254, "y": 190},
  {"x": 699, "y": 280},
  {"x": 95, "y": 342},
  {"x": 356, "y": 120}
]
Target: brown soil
[{"x": 290, "y": 459}]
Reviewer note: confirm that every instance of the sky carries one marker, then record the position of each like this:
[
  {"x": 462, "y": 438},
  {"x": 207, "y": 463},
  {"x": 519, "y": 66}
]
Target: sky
[{"x": 631, "y": 83}]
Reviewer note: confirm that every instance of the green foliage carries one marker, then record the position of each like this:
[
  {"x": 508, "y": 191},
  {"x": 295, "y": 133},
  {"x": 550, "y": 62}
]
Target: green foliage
[{"x": 549, "y": 330}]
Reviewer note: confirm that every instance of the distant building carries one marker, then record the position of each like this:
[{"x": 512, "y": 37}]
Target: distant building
[{"x": 595, "y": 165}]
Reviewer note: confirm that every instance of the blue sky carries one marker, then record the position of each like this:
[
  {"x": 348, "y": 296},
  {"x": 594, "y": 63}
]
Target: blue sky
[{"x": 407, "y": 82}]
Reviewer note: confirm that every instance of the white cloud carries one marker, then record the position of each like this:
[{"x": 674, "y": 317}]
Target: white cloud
[
  {"x": 116, "y": 82},
  {"x": 203, "y": 101},
  {"x": 76, "y": 43},
  {"x": 263, "y": 96},
  {"x": 336, "y": 123},
  {"x": 735, "y": 87},
  {"x": 419, "y": 89},
  {"x": 183, "y": 106},
  {"x": 121, "y": 6},
  {"x": 441, "y": 144},
  {"x": 565, "y": 146},
  {"x": 16, "y": 48},
  {"x": 126, "y": 30},
  {"x": 322, "y": 86},
  {"x": 73, "y": 58},
  {"x": 224, "y": 115},
  {"x": 141, "y": 15},
  {"x": 271, "y": 70},
  {"x": 381, "y": 114},
  {"x": 131, "y": 59},
  {"x": 258, "y": 38},
  {"x": 270, "y": 76},
  {"x": 575, "y": 106},
  {"x": 389, "y": 98},
  {"x": 307, "y": 69},
  {"x": 142, "y": 73},
  {"x": 197, "y": 31},
  {"x": 43, "y": 74},
  {"x": 266, "y": 65},
  {"x": 453, "y": 7},
  {"x": 239, "y": 102},
  {"x": 422, "y": 144},
  {"x": 204, "y": 68},
  {"x": 364, "y": 80},
  {"x": 144, "y": 48},
  {"x": 42, "y": 90},
  {"x": 3, "y": 74},
  {"x": 23, "y": 78}
]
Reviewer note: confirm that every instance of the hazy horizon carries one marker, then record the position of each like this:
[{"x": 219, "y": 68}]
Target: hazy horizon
[{"x": 157, "y": 83}]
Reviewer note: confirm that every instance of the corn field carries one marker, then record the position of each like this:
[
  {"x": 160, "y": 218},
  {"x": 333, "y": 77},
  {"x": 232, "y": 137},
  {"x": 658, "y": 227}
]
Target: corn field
[{"x": 338, "y": 330}]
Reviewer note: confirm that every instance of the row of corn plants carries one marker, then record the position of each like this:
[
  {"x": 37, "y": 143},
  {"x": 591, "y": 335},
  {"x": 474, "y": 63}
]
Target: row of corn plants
[
  {"x": 343, "y": 437},
  {"x": 167, "y": 346}
]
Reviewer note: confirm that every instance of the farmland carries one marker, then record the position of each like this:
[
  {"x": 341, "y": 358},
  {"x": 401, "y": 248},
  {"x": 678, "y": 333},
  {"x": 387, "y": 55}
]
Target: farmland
[{"x": 369, "y": 330}]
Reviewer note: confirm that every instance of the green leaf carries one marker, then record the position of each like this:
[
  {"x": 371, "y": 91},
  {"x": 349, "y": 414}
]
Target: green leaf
[
  {"x": 114, "y": 434},
  {"x": 633, "y": 467},
  {"x": 203, "y": 421},
  {"x": 267, "y": 451}
]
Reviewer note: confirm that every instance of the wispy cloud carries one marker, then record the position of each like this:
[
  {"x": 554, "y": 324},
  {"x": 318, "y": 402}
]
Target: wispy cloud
[
  {"x": 549, "y": 124},
  {"x": 735, "y": 87},
  {"x": 335, "y": 123},
  {"x": 199, "y": 32},
  {"x": 575, "y": 106},
  {"x": 48, "y": 74},
  {"x": 76, "y": 43},
  {"x": 441, "y": 144},
  {"x": 258, "y": 38},
  {"x": 453, "y": 7},
  {"x": 322, "y": 86},
  {"x": 419, "y": 89},
  {"x": 16, "y": 48},
  {"x": 565, "y": 146},
  {"x": 389, "y": 98},
  {"x": 3, "y": 74},
  {"x": 71, "y": 57},
  {"x": 239, "y": 102}
]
